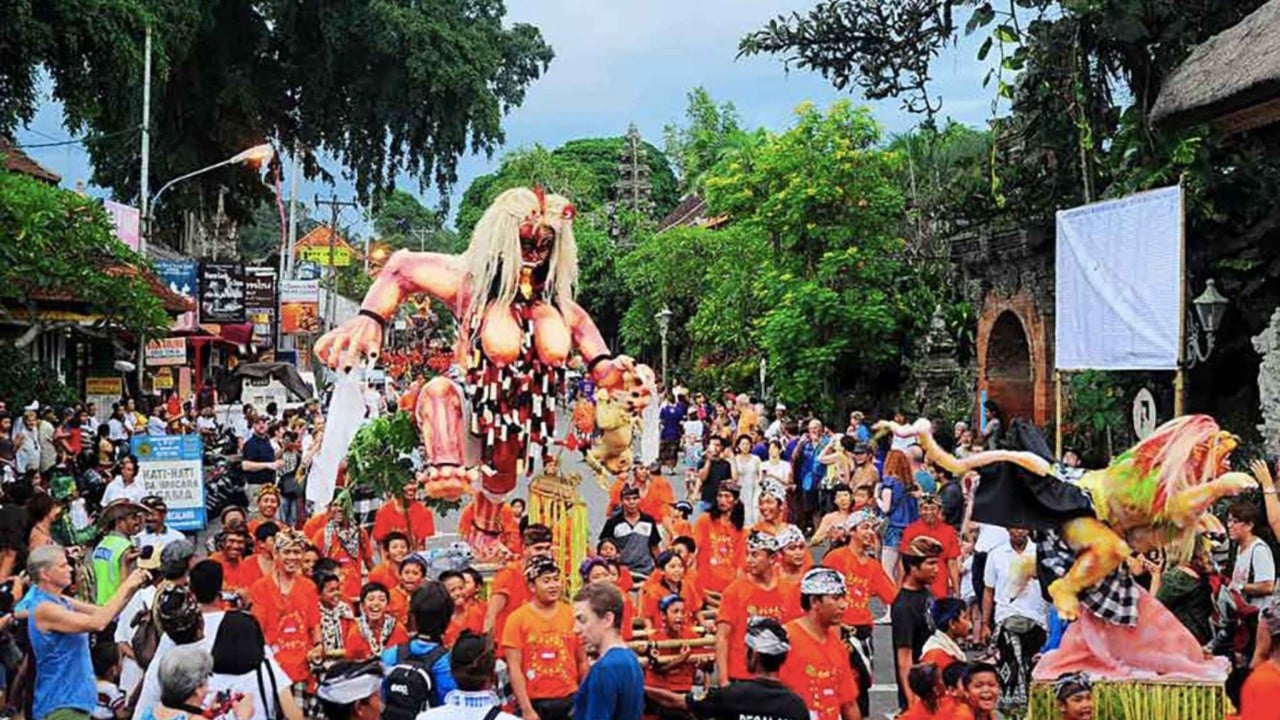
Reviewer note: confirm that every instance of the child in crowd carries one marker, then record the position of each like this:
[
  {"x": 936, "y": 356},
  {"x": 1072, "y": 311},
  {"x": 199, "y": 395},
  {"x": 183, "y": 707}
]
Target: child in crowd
[{"x": 106, "y": 669}]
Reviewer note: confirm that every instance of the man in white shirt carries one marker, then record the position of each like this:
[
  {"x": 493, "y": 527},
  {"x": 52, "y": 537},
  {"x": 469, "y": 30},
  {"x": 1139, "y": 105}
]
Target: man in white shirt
[
  {"x": 774, "y": 431},
  {"x": 155, "y": 533},
  {"x": 90, "y": 426},
  {"x": 1254, "y": 574},
  {"x": 126, "y": 485},
  {"x": 1013, "y": 605}
]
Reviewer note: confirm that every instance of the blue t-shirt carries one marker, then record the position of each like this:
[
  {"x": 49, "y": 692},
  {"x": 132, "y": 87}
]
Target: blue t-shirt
[
  {"x": 441, "y": 676},
  {"x": 926, "y": 481},
  {"x": 612, "y": 690},
  {"x": 903, "y": 509},
  {"x": 811, "y": 471},
  {"x": 64, "y": 671}
]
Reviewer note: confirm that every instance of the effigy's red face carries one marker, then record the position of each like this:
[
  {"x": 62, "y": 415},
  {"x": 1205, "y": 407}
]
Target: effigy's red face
[
  {"x": 1215, "y": 452},
  {"x": 536, "y": 246}
]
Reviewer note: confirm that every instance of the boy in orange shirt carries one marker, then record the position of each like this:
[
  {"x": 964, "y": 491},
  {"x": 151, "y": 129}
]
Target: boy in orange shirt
[
  {"x": 413, "y": 572},
  {"x": 545, "y": 659},
  {"x": 395, "y": 547},
  {"x": 674, "y": 674},
  {"x": 758, "y": 593},
  {"x": 942, "y": 648},
  {"x": 817, "y": 668},
  {"x": 720, "y": 539},
  {"x": 596, "y": 569},
  {"x": 235, "y": 568},
  {"x": 376, "y": 629},
  {"x": 794, "y": 559},
  {"x": 467, "y": 615},
  {"x": 509, "y": 590}
]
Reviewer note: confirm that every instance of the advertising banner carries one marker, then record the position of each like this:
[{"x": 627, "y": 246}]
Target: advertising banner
[
  {"x": 222, "y": 293},
  {"x": 180, "y": 276},
  {"x": 167, "y": 351},
  {"x": 260, "y": 304},
  {"x": 127, "y": 221},
  {"x": 300, "y": 307},
  {"x": 170, "y": 466}
]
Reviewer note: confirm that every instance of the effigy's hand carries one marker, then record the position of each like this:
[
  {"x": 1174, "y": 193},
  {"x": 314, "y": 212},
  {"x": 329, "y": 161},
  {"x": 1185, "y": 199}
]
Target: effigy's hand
[
  {"x": 611, "y": 374},
  {"x": 343, "y": 346}
]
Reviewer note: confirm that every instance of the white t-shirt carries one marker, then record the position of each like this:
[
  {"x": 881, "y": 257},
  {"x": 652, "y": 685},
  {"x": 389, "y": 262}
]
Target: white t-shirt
[
  {"x": 150, "y": 693},
  {"x": 158, "y": 540},
  {"x": 463, "y": 705},
  {"x": 206, "y": 424},
  {"x": 1255, "y": 564},
  {"x": 990, "y": 537},
  {"x": 779, "y": 470},
  {"x": 248, "y": 684},
  {"x": 117, "y": 489},
  {"x": 1000, "y": 576},
  {"x": 116, "y": 430},
  {"x": 902, "y": 443},
  {"x": 749, "y": 480}
]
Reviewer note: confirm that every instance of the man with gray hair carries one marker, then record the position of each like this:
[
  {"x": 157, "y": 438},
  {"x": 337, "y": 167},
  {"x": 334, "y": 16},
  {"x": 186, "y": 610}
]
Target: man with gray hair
[
  {"x": 183, "y": 680},
  {"x": 59, "y": 632}
]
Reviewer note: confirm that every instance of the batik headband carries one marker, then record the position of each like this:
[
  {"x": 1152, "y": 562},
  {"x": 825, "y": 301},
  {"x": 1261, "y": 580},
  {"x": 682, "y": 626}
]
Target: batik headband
[
  {"x": 762, "y": 541},
  {"x": 790, "y": 535},
  {"x": 773, "y": 489},
  {"x": 859, "y": 517},
  {"x": 539, "y": 565},
  {"x": 822, "y": 581},
  {"x": 1071, "y": 684}
]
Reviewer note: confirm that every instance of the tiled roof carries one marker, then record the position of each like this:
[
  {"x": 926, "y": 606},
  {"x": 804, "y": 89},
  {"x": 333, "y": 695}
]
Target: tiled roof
[{"x": 17, "y": 161}]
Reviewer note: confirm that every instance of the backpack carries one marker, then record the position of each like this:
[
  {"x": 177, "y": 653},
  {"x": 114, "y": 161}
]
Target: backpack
[
  {"x": 409, "y": 686},
  {"x": 146, "y": 636}
]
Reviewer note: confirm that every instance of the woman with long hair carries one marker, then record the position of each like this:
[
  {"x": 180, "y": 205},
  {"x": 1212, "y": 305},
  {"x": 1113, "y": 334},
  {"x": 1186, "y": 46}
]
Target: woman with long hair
[
  {"x": 240, "y": 665},
  {"x": 668, "y": 578},
  {"x": 896, "y": 499},
  {"x": 42, "y": 513},
  {"x": 747, "y": 466},
  {"x": 721, "y": 540}
]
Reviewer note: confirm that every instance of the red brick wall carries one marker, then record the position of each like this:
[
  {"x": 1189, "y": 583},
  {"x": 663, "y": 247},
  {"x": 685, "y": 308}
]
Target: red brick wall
[{"x": 1015, "y": 364}]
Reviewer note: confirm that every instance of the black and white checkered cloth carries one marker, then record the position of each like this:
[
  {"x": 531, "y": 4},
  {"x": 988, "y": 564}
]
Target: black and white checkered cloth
[{"x": 1114, "y": 600}]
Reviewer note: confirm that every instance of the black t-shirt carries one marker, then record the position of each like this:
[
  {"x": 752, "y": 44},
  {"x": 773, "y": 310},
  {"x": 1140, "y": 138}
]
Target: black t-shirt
[
  {"x": 719, "y": 472},
  {"x": 910, "y": 617},
  {"x": 258, "y": 449},
  {"x": 755, "y": 699}
]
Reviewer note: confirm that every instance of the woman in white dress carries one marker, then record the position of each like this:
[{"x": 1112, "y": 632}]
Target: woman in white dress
[{"x": 748, "y": 471}]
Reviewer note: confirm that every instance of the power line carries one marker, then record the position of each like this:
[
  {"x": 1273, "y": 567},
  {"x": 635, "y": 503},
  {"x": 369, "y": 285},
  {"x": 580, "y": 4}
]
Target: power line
[{"x": 79, "y": 141}]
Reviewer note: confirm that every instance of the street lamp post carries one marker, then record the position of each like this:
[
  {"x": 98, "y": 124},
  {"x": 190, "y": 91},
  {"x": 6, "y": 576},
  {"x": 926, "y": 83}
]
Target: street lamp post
[
  {"x": 664, "y": 323},
  {"x": 1209, "y": 308},
  {"x": 256, "y": 154}
]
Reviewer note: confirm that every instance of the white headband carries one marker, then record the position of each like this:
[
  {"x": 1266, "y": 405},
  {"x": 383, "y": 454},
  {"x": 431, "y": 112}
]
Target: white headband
[
  {"x": 766, "y": 642},
  {"x": 348, "y": 690}
]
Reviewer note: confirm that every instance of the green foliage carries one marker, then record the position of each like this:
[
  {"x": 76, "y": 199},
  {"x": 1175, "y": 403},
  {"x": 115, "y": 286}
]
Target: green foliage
[
  {"x": 1095, "y": 408},
  {"x": 377, "y": 458},
  {"x": 23, "y": 380},
  {"x": 582, "y": 170},
  {"x": 695, "y": 148},
  {"x": 58, "y": 243},
  {"x": 380, "y": 86},
  {"x": 401, "y": 221}
]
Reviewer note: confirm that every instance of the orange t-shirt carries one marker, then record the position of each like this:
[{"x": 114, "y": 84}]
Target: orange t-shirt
[
  {"x": 471, "y": 618},
  {"x": 386, "y": 573},
  {"x": 817, "y": 669},
  {"x": 722, "y": 550},
  {"x": 950, "y": 540},
  {"x": 938, "y": 659},
  {"x": 391, "y": 518},
  {"x": 288, "y": 622},
  {"x": 548, "y": 650},
  {"x": 508, "y": 581},
  {"x": 678, "y": 526},
  {"x": 625, "y": 581},
  {"x": 864, "y": 578},
  {"x": 350, "y": 569},
  {"x": 948, "y": 709},
  {"x": 236, "y": 576},
  {"x": 1260, "y": 691},
  {"x": 678, "y": 679},
  {"x": 657, "y": 498},
  {"x": 315, "y": 522},
  {"x": 652, "y": 592},
  {"x": 398, "y": 605},
  {"x": 745, "y": 599},
  {"x": 357, "y": 642}
]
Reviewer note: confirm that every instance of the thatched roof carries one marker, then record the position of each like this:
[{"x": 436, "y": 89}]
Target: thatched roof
[{"x": 1232, "y": 79}]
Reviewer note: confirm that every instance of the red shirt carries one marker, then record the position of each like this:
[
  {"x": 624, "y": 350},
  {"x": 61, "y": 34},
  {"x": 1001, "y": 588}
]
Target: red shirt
[
  {"x": 722, "y": 551},
  {"x": 677, "y": 679},
  {"x": 864, "y": 578},
  {"x": 950, "y": 540},
  {"x": 817, "y": 669},
  {"x": 418, "y": 523},
  {"x": 357, "y": 644},
  {"x": 1260, "y": 691},
  {"x": 471, "y": 618},
  {"x": 652, "y": 592},
  {"x": 744, "y": 599},
  {"x": 239, "y": 575},
  {"x": 288, "y": 621},
  {"x": 509, "y": 581},
  {"x": 350, "y": 569}
]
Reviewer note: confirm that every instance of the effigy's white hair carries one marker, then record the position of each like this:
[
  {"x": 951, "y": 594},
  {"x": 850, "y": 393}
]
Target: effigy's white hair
[{"x": 493, "y": 259}]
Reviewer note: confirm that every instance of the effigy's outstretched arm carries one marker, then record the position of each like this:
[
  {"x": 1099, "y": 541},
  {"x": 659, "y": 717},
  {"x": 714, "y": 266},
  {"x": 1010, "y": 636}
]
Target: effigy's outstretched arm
[
  {"x": 606, "y": 371},
  {"x": 922, "y": 430},
  {"x": 1187, "y": 506},
  {"x": 406, "y": 273}
]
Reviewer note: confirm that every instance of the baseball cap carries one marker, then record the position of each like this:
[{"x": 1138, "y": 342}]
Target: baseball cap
[{"x": 175, "y": 558}]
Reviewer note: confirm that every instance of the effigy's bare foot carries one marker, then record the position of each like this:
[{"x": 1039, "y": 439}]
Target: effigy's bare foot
[
  {"x": 448, "y": 482},
  {"x": 1065, "y": 600}
]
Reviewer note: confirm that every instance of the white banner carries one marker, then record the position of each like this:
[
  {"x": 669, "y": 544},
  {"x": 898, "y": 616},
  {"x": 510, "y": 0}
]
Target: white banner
[{"x": 1119, "y": 273}]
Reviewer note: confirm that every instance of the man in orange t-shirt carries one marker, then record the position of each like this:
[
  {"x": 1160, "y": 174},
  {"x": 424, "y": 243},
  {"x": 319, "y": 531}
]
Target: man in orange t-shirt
[
  {"x": 817, "y": 668},
  {"x": 758, "y": 593},
  {"x": 1262, "y": 687},
  {"x": 720, "y": 540},
  {"x": 407, "y": 516},
  {"x": 237, "y": 572},
  {"x": 864, "y": 578},
  {"x": 545, "y": 658},
  {"x": 947, "y": 582},
  {"x": 509, "y": 590},
  {"x": 288, "y": 609},
  {"x": 347, "y": 544}
]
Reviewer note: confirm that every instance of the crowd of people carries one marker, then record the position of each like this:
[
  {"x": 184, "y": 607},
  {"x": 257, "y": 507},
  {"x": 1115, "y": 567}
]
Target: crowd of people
[{"x": 740, "y": 575}]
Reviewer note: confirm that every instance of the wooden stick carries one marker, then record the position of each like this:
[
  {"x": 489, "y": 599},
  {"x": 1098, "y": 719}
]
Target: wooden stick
[{"x": 702, "y": 642}]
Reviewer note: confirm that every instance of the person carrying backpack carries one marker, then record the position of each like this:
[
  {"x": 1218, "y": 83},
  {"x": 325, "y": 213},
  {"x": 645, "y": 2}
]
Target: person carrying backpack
[{"x": 418, "y": 675}]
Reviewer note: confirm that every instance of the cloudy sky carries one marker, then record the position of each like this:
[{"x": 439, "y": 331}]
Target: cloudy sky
[{"x": 619, "y": 63}]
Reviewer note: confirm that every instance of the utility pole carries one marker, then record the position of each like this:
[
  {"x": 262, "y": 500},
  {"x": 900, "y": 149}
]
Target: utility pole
[
  {"x": 335, "y": 205},
  {"x": 144, "y": 184},
  {"x": 421, "y": 234}
]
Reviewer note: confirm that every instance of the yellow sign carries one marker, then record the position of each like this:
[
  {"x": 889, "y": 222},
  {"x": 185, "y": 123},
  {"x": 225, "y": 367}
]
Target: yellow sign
[
  {"x": 163, "y": 379},
  {"x": 112, "y": 386},
  {"x": 315, "y": 247},
  {"x": 319, "y": 255}
]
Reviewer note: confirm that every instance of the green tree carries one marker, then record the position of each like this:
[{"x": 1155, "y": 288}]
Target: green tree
[
  {"x": 60, "y": 244},
  {"x": 402, "y": 221},
  {"x": 697, "y": 146},
  {"x": 379, "y": 86}
]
